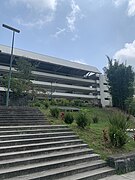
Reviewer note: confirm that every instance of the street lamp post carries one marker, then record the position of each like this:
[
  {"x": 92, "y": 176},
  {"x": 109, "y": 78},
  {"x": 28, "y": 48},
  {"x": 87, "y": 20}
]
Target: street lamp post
[{"x": 11, "y": 58}]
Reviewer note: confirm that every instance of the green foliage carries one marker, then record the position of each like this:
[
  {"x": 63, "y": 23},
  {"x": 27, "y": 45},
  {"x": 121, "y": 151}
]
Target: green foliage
[
  {"x": 78, "y": 102},
  {"x": 120, "y": 79},
  {"x": 68, "y": 118},
  {"x": 46, "y": 104},
  {"x": 117, "y": 129},
  {"x": 24, "y": 67},
  {"x": 64, "y": 102},
  {"x": 95, "y": 119},
  {"x": 82, "y": 120},
  {"x": 37, "y": 104},
  {"x": 20, "y": 83},
  {"x": 55, "y": 112},
  {"x": 53, "y": 102},
  {"x": 19, "y": 87},
  {"x": 130, "y": 106}
]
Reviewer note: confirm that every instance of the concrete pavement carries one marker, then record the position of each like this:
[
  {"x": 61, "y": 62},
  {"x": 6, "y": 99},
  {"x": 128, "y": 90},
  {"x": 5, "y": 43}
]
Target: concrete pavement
[{"x": 127, "y": 176}]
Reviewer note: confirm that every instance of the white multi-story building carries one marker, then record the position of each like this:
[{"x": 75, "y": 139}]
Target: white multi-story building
[{"x": 61, "y": 78}]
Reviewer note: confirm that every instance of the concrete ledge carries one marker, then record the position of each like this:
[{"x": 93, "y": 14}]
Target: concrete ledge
[
  {"x": 66, "y": 108},
  {"x": 122, "y": 163}
]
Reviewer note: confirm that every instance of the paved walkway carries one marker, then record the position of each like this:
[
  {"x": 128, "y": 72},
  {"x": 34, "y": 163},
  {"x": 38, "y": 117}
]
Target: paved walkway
[{"x": 127, "y": 176}]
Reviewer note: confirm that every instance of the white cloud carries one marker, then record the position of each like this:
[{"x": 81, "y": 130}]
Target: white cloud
[
  {"x": 39, "y": 12},
  {"x": 117, "y": 3},
  {"x": 39, "y": 5},
  {"x": 35, "y": 22},
  {"x": 60, "y": 31},
  {"x": 127, "y": 54},
  {"x": 131, "y": 8},
  {"x": 72, "y": 17},
  {"x": 130, "y": 5}
]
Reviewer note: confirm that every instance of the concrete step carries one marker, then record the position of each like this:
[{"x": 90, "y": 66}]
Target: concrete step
[
  {"x": 35, "y": 131},
  {"x": 21, "y": 114},
  {"x": 27, "y": 123},
  {"x": 22, "y": 121},
  {"x": 38, "y": 167},
  {"x": 36, "y": 140},
  {"x": 46, "y": 157},
  {"x": 37, "y": 135},
  {"x": 25, "y": 147},
  {"x": 59, "y": 173},
  {"x": 33, "y": 152},
  {"x": 90, "y": 175},
  {"x": 31, "y": 127},
  {"x": 21, "y": 117}
]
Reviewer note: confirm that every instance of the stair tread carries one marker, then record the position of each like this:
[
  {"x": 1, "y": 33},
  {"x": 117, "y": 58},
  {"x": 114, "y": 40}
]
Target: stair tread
[
  {"x": 34, "y": 139},
  {"x": 45, "y": 149},
  {"x": 30, "y": 126},
  {"x": 57, "y": 170},
  {"x": 23, "y": 135},
  {"x": 46, "y": 143},
  {"x": 79, "y": 176},
  {"x": 34, "y": 165},
  {"x": 42, "y": 129},
  {"x": 46, "y": 156},
  {"x": 32, "y": 131}
]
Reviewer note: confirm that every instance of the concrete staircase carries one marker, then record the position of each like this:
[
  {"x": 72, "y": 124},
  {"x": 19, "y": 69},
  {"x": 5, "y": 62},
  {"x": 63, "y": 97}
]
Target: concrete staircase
[{"x": 31, "y": 149}]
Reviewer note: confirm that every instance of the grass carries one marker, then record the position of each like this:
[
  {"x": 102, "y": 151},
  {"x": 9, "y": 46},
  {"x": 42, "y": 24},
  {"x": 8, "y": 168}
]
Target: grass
[{"x": 93, "y": 134}]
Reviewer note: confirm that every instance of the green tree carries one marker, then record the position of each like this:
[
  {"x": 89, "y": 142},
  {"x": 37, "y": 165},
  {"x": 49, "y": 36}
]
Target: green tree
[
  {"x": 20, "y": 82},
  {"x": 120, "y": 80}
]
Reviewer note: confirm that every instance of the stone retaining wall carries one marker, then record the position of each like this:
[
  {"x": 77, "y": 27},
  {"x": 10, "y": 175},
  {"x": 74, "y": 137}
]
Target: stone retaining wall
[{"x": 122, "y": 163}]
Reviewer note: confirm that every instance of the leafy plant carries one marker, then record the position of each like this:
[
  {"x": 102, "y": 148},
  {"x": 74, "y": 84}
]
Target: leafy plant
[
  {"x": 117, "y": 129},
  {"x": 95, "y": 119},
  {"x": 55, "y": 112},
  {"x": 68, "y": 118},
  {"x": 46, "y": 104},
  {"x": 82, "y": 120}
]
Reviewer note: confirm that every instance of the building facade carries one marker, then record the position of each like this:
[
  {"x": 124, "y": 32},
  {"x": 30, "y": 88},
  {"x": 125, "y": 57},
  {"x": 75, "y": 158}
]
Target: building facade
[{"x": 61, "y": 78}]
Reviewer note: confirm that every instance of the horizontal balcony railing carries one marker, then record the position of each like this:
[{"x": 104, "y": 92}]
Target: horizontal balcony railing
[
  {"x": 70, "y": 95},
  {"x": 53, "y": 76},
  {"x": 63, "y": 86}
]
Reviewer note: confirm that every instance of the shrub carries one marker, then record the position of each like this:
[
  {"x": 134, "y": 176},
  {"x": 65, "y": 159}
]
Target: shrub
[
  {"x": 55, "y": 112},
  {"x": 53, "y": 102},
  {"x": 68, "y": 118},
  {"x": 78, "y": 103},
  {"x": 95, "y": 119},
  {"x": 117, "y": 129},
  {"x": 82, "y": 120},
  {"x": 37, "y": 104},
  {"x": 46, "y": 104},
  {"x": 64, "y": 102}
]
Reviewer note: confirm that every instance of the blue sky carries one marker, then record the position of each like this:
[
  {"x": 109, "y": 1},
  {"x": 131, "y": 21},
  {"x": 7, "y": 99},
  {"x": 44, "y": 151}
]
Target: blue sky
[{"x": 78, "y": 30}]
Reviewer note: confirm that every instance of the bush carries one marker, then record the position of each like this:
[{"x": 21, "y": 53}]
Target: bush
[
  {"x": 36, "y": 104},
  {"x": 82, "y": 120},
  {"x": 46, "y": 104},
  {"x": 117, "y": 129},
  {"x": 78, "y": 103},
  {"x": 95, "y": 119},
  {"x": 64, "y": 102},
  {"x": 53, "y": 102},
  {"x": 55, "y": 112},
  {"x": 68, "y": 118}
]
